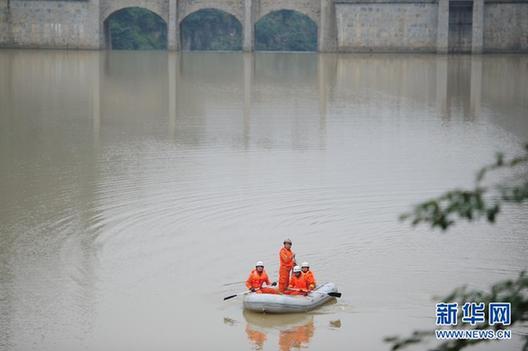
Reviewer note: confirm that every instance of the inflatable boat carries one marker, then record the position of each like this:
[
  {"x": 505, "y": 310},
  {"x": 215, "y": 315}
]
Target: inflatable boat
[{"x": 271, "y": 303}]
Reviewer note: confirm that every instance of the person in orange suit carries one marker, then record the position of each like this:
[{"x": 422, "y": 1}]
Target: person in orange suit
[
  {"x": 257, "y": 278},
  {"x": 287, "y": 261},
  {"x": 308, "y": 275},
  {"x": 298, "y": 285}
]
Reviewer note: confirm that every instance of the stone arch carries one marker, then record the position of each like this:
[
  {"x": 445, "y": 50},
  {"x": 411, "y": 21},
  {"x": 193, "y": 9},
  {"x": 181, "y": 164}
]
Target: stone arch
[
  {"x": 296, "y": 30},
  {"x": 309, "y": 8},
  {"x": 195, "y": 6},
  {"x": 157, "y": 7},
  {"x": 233, "y": 23},
  {"x": 108, "y": 11}
]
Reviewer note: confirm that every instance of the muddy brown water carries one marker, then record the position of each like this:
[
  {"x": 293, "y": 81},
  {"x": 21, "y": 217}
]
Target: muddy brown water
[{"x": 139, "y": 188}]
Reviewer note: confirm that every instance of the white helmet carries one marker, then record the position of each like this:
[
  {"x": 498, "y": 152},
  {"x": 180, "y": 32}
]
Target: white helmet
[
  {"x": 259, "y": 264},
  {"x": 305, "y": 264},
  {"x": 296, "y": 269}
]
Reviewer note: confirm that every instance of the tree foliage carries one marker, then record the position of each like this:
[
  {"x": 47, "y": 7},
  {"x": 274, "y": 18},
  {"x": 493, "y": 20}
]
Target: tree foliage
[
  {"x": 135, "y": 28},
  {"x": 211, "y": 29},
  {"x": 513, "y": 291},
  {"x": 286, "y": 30},
  {"x": 483, "y": 201}
]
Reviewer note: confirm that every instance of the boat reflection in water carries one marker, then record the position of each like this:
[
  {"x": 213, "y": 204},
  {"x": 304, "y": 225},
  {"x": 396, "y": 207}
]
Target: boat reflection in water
[
  {"x": 256, "y": 337},
  {"x": 296, "y": 337},
  {"x": 295, "y": 330}
]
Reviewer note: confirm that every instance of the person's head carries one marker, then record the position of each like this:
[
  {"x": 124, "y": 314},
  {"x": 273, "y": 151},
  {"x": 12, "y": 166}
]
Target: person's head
[
  {"x": 259, "y": 266},
  {"x": 297, "y": 271},
  {"x": 305, "y": 267},
  {"x": 287, "y": 243}
]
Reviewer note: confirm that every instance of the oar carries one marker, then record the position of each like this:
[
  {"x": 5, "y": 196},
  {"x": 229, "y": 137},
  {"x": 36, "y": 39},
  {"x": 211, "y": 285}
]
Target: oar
[
  {"x": 333, "y": 294},
  {"x": 235, "y": 295},
  {"x": 240, "y": 293}
]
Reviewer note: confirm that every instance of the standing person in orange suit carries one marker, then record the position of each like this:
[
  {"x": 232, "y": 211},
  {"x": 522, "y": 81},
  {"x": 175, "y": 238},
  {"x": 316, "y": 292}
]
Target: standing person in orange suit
[
  {"x": 308, "y": 275},
  {"x": 287, "y": 261},
  {"x": 298, "y": 285},
  {"x": 257, "y": 278}
]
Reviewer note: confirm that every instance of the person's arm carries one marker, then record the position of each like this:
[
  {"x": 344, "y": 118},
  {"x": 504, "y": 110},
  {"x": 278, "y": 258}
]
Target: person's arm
[
  {"x": 266, "y": 280},
  {"x": 284, "y": 257},
  {"x": 248, "y": 282},
  {"x": 306, "y": 281},
  {"x": 310, "y": 281}
]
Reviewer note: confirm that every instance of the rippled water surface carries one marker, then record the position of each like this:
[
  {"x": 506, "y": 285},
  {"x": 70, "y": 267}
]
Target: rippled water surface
[{"x": 138, "y": 189}]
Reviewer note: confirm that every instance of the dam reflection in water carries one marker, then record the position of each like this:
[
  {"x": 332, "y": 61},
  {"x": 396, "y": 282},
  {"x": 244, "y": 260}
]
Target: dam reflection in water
[
  {"x": 184, "y": 86},
  {"x": 455, "y": 77}
]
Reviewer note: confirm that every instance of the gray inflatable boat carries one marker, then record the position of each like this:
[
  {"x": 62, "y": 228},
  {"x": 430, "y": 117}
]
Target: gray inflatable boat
[{"x": 271, "y": 303}]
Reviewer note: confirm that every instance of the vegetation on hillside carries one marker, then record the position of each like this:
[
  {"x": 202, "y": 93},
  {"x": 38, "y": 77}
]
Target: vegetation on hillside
[
  {"x": 135, "y": 28},
  {"x": 209, "y": 29},
  {"x": 286, "y": 30}
]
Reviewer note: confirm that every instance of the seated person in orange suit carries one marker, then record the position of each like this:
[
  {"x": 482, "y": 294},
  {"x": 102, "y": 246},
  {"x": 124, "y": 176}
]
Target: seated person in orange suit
[
  {"x": 257, "y": 278},
  {"x": 308, "y": 275},
  {"x": 298, "y": 285}
]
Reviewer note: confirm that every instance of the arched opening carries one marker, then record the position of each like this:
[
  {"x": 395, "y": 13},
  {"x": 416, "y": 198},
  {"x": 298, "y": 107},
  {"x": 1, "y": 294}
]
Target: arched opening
[
  {"x": 211, "y": 29},
  {"x": 135, "y": 28},
  {"x": 286, "y": 30}
]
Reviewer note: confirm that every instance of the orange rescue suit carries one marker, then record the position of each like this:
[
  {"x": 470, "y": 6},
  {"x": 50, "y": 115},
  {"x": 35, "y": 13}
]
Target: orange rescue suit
[
  {"x": 297, "y": 283},
  {"x": 256, "y": 280},
  {"x": 310, "y": 280},
  {"x": 286, "y": 265}
]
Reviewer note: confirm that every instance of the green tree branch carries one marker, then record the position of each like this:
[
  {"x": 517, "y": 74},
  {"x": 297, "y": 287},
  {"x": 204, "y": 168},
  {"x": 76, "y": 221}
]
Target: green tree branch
[
  {"x": 513, "y": 291},
  {"x": 481, "y": 201},
  {"x": 471, "y": 205}
]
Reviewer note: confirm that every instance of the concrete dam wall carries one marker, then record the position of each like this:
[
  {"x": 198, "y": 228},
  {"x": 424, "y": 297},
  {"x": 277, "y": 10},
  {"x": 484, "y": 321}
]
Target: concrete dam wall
[{"x": 434, "y": 26}]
